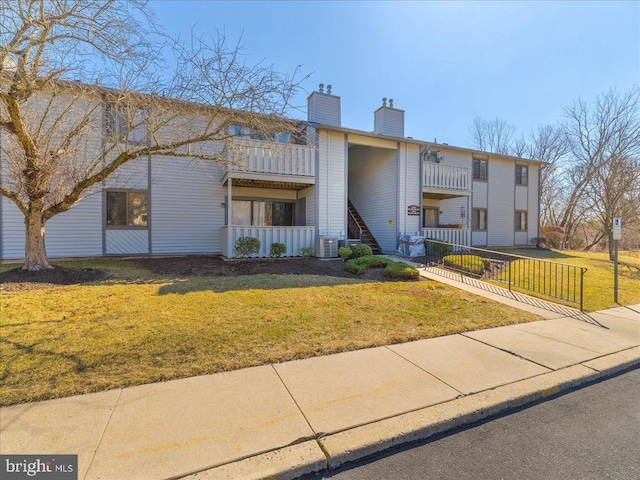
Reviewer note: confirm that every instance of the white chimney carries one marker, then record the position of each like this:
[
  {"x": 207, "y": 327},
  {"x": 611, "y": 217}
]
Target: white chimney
[
  {"x": 324, "y": 107},
  {"x": 389, "y": 120}
]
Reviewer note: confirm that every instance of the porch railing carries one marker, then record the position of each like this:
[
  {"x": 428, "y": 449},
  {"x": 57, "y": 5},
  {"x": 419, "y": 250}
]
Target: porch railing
[
  {"x": 294, "y": 238},
  {"x": 447, "y": 177},
  {"x": 256, "y": 156},
  {"x": 543, "y": 277},
  {"x": 458, "y": 236}
]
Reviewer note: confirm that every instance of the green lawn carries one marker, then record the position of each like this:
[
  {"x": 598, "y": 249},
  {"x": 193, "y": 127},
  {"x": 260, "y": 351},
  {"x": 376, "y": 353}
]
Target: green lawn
[
  {"x": 598, "y": 280},
  {"x": 136, "y": 327}
]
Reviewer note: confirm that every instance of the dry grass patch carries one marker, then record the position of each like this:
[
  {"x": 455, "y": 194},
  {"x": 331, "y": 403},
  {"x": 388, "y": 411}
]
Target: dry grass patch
[{"x": 136, "y": 328}]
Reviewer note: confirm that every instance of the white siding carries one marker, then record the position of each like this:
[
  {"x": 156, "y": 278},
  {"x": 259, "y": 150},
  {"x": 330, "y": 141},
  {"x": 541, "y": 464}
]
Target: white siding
[
  {"x": 521, "y": 238},
  {"x": 186, "y": 206},
  {"x": 450, "y": 209},
  {"x": 309, "y": 195},
  {"x": 126, "y": 242},
  {"x": 533, "y": 215},
  {"x": 480, "y": 197},
  {"x": 501, "y": 212},
  {"x": 522, "y": 197},
  {"x": 409, "y": 191},
  {"x": 479, "y": 239},
  {"x": 372, "y": 189},
  {"x": 330, "y": 185}
]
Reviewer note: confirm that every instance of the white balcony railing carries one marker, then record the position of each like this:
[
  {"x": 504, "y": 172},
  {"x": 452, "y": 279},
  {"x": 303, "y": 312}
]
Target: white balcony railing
[
  {"x": 447, "y": 177},
  {"x": 294, "y": 238},
  {"x": 256, "y": 156},
  {"x": 457, "y": 236}
]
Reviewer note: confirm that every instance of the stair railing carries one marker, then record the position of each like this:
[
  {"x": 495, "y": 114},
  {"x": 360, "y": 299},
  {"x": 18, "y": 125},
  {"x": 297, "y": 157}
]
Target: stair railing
[{"x": 354, "y": 228}]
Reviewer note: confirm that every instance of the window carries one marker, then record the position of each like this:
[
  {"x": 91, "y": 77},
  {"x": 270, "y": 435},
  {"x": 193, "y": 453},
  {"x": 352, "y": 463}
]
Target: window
[
  {"x": 522, "y": 175},
  {"x": 480, "y": 169},
  {"x": 479, "y": 219},
  {"x": 262, "y": 213},
  {"x": 521, "y": 221},
  {"x": 127, "y": 209},
  {"x": 430, "y": 217},
  {"x": 115, "y": 121}
]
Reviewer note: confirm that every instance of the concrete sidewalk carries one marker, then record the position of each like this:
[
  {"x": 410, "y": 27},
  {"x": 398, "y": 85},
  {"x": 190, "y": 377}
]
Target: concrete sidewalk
[{"x": 304, "y": 416}]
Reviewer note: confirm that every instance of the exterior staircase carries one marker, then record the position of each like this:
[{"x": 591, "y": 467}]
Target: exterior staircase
[{"x": 357, "y": 229}]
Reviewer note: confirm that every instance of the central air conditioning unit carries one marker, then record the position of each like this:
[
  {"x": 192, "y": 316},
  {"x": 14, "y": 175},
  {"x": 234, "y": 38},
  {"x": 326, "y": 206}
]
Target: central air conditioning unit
[{"x": 326, "y": 247}]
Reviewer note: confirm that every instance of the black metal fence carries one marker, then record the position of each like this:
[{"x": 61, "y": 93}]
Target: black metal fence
[{"x": 543, "y": 277}]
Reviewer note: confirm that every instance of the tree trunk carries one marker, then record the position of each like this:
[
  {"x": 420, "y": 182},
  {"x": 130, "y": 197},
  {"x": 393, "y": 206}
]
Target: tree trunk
[{"x": 34, "y": 250}]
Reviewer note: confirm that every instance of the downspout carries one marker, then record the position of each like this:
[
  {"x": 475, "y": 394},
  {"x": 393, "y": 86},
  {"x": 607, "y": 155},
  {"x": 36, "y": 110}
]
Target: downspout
[
  {"x": 538, "y": 246},
  {"x": 423, "y": 152}
]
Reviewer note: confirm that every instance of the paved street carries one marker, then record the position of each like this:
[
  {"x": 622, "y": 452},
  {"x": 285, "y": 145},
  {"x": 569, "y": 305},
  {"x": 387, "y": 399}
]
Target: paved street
[{"x": 592, "y": 433}]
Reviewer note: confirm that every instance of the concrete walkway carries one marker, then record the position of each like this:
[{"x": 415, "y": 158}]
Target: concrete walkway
[{"x": 304, "y": 416}]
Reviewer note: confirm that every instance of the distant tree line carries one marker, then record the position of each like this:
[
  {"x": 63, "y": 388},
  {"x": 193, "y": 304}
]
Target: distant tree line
[{"x": 591, "y": 172}]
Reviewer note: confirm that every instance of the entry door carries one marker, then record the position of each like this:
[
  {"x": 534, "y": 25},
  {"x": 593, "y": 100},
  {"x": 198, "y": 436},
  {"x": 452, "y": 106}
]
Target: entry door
[{"x": 430, "y": 217}]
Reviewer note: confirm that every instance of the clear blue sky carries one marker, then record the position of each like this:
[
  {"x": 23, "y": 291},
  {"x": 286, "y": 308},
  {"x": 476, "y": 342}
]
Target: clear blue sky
[{"x": 444, "y": 63}]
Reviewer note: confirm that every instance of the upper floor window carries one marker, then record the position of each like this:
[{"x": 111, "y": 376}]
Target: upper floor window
[
  {"x": 126, "y": 209},
  {"x": 115, "y": 121},
  {"x": 522, "y": 175},
  {"x": 480, "y": 169}
]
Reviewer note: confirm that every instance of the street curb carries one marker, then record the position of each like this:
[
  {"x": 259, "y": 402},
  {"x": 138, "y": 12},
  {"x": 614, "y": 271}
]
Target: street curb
[
  {"x": 285, "y": 463},
  {"x": 331, "y": 451}
]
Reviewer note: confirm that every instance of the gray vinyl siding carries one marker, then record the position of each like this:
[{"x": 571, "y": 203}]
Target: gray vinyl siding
[
  {"x": 12, "y": 230},
  {"x": 372, "y": 189},
  {"x": 131, "y": 175},
  {"x": 126, "y": 241},
  {"x": 409, "y": 189},
  {"x": 186, "y": 206},
  {"x": 309, "y": 195},
  {"x": 500, "y": 215},
  {"x": 330, "y": 185},
  {"x": 480, "y": 195},
  {"x": 75, "y": 233}
]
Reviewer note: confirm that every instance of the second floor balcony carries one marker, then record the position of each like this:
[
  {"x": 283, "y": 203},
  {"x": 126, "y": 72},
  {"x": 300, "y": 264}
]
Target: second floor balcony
[
  {"x": 446, "y": 179},
  {"x": 270, "y": 161}
]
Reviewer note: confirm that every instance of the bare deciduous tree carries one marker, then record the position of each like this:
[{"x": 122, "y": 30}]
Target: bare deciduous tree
[
  {"x": 495, "y": 136},
  {"x": 62, "y": 134}
]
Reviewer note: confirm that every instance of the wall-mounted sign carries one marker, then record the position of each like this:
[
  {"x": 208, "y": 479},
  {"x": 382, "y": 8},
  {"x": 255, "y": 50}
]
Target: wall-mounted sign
[{"x": 413, "y": 210}]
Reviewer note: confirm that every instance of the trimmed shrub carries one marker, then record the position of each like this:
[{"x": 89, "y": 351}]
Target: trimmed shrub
[
  {"x": 395, "y": 270},
  {"x": 277, "y": 249},
  {"x": 247, "y": 246},
  {"x": 401, "y": 271},
  {"x": 361, "y": 250},
  {"x": 306, "y": 252},
  {"x": 467, "y": 263},
  {"x": 344, "y": 252},
  {"x": 371, "y": 261},
  {"x": 355, "y": 267}
]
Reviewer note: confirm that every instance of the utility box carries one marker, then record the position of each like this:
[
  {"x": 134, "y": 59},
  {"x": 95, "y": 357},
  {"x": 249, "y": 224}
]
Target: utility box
[
  {"x": 326, "y": 247},
  {"x": 349, "y": 242}
]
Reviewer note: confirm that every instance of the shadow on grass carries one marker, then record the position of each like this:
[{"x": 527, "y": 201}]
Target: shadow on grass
[{"x": 562, "y": 310}]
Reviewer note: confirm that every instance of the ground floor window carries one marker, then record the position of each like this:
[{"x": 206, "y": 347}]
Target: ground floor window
[
  {"x": 126, "y": 209},
  {"x": 430, "y": 217},
  {"x": 521, "y": 221},
  {"x": 262, "y": 213},
  {"x": 479, "y": 219}
]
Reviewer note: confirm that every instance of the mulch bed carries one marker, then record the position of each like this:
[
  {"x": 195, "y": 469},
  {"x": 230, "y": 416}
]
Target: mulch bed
[
  {"x": 192, "y": 265},
  {"x": 17, "y": 279},
  {"x": 204, "y": 265}
]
